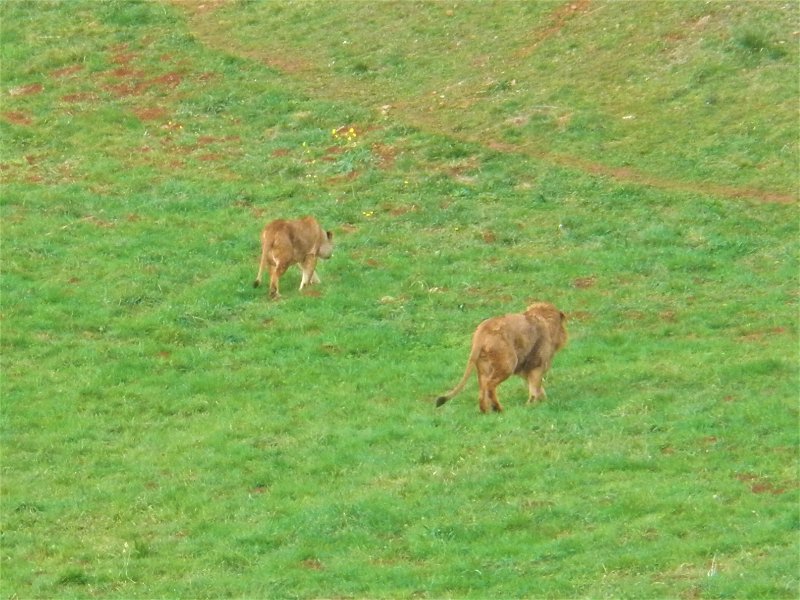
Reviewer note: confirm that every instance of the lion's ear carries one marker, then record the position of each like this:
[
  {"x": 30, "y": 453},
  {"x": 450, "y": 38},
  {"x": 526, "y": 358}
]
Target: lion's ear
[
  {"x": 329, "y": 234},
  {"x": 563, "y": 316}
]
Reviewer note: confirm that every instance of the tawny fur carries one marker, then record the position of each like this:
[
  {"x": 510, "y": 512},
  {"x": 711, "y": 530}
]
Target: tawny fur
[
  {"x": 516, "y": 344},
  {"x": 285, "y": 243}
]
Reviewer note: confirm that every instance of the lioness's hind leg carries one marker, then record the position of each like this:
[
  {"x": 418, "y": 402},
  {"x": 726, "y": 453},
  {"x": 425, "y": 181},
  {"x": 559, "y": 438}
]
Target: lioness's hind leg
[
  {"x": 275, "y": 271},
  {"x": 308, "y": 266}
]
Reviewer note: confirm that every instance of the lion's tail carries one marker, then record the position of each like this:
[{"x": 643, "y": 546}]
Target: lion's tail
[
  {"x": 460, "y": 385},
  {"x": 263, "y": 264}
]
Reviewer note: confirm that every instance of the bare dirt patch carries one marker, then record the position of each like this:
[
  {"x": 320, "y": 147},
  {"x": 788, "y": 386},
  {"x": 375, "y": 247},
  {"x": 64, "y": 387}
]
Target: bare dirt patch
[
  {"x": 203, "y": 6},
  {"x": 583, "y": 283},
  {"x": 630, "y": 175},
  {"x": 760, "y": 485},
  {"x": 760, "y": 336},
  {"x": 151, "y": 113},
  {"x": 580, "y": 315},
  {"x": 122, "y": 58},
  {"x": 398, "y": 210},
  {"x": 127, "y": 72},
  {"x": 79, "y": 97},
  {"x": 558, "y": 19},
  {"x": 313, "y": 564},
  {"x": 385, "y": 154},
  {"x": 286, "y": 65},
  {"x": 17, "y": 117},
  {"x": 66, "y": 71},
  {"x": 122, "y": 90},
  {"x": 171, "y": 79},
  {"x": 26, "y": 90}
]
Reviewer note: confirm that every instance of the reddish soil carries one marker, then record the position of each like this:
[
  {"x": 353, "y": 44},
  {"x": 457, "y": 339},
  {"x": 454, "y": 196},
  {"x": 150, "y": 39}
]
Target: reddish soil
[
  {"x": 669, "y": 316},
  {"x": 79, "y": 97},
  {"x": 17, "y": 117},
  {"x": 583, "y": 283},
  {"x": 313, "y": 564},
  {"x": 122, "y": 58},
  {"x": 168, "y": 79},
  {"x": 153, "y": 113},
  {"x": 637, "y": 177},
  {"x": 758, "y": 336},
  {"x": 127, "y": 73},
  {"x": 579, "y": 315},
  {"x": 67, "y": 71},
  {"x": 386, "y": 155},
  {"x": 26, "y": 90},
  {"x": 558, "y": 18},
  {"x": 399, "y": 210},
  {"x": 759, "y": 485}
]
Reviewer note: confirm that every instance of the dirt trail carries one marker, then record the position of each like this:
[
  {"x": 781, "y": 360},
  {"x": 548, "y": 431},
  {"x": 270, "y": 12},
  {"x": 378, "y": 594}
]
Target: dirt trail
[
  {"x": 302, "y": 70},
  {"x": 630, "y": 175}
]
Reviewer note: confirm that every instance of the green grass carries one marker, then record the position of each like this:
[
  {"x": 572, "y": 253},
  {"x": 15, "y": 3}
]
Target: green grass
[{"x": 167, "y": 431}]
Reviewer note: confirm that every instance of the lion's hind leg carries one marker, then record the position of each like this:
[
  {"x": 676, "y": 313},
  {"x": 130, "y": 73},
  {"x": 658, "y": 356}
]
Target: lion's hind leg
[
  {"x": 488, "y": 391},
  {"x": 494, "y": 367},
  {"x": 496, "y": 406},
  {"x": 487, "y": 400},
  {"x": 483, "y": 393},
  {"x": 536, "y": 391}
]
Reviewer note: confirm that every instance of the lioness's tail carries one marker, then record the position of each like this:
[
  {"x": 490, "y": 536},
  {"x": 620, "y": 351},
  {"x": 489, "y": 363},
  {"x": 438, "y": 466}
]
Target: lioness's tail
[
  {"x": 263, "y": 264},
  {"x": 460, "y": 385}
]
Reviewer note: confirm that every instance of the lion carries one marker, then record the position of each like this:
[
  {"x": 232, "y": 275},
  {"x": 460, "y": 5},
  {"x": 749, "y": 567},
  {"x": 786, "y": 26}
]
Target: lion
[
  {"x": 516, "y": 344},
  {"x": 287, "y": 242}
]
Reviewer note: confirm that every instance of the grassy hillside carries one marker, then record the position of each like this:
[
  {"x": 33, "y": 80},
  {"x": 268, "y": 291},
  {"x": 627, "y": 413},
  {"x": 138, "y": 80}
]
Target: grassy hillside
[
  {"x": 167, "y": 431},
  {"x": 656, "y": 91}
]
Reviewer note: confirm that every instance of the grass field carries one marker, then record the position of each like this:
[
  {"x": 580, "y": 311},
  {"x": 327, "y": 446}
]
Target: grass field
[{"x": 168, "y": 431}]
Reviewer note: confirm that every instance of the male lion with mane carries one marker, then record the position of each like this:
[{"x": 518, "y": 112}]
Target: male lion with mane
[
  {"x": 516, "y": 344},
  {"x": 284, "y": 243}
]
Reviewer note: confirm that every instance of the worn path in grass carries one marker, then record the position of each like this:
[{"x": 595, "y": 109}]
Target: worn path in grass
[{"x": 415, "y": 112}]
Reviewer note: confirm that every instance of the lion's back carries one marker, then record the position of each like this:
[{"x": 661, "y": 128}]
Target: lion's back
[{"x": 512, "y": 332}]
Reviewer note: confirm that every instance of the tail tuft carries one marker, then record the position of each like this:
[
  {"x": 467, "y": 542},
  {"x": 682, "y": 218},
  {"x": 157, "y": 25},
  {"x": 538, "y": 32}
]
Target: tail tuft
[
  {"x": 441, "y": 400},
  {"x": 256, "y": 283}
]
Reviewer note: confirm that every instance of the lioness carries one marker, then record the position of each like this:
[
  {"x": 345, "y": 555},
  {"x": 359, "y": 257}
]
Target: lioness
[
  {"x": 517, "y": 344},
  {"x": 284, "y": 243}
]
